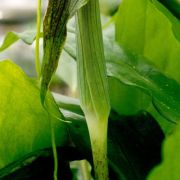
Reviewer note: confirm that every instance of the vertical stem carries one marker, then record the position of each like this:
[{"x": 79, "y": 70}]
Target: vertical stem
[
  {"x": 53, "y": 138},
  {"x": 98, "y": 136},
  {"x": 92, "y": 82},
  {"x": 54, "y": 153},
  {"x": 38, "y": 31}
]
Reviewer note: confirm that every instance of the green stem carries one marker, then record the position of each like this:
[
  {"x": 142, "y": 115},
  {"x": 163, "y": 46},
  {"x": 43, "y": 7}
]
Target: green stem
[
  {"x": 48, "y": 109},
  {"x": 98, "y": 136},
  {"x": 53, "y": 141},
  {"x": 92, "y": 82},
  {"x": 38, "y": 35},
  {"x": 54, "y": 153}
]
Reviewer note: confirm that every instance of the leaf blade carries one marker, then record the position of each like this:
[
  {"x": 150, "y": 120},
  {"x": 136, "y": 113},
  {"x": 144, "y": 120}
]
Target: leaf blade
[
  {"x": 27, "y": 37},
  {"x": 24, "y": 123}
]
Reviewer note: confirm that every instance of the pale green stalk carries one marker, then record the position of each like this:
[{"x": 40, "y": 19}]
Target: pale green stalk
[
  {"x": 38, "y": 35},
  {"x": 93, "y": 86},
  {"x": 51, "y": 114},
  {"x": 54, "y": 151}
]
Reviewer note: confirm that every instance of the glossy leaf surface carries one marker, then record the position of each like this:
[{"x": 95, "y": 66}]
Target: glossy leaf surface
[
  {"x": 151, "y": 31},
  {"x": 169, "y": 168},
  {"x": 134, "y": 70},
  {"x": 24, "y": 124}
]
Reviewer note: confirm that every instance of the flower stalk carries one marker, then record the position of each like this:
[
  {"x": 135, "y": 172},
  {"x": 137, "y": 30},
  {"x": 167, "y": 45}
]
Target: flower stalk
[
  {"x": 38, "y": 32},
  {"x": 92, "y": 83}
]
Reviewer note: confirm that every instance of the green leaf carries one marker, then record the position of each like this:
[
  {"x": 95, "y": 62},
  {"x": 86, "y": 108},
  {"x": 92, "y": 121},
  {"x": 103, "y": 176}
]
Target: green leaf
[
  {"x": 24, "y": 123},
  {"x": 136, "y": 71},
  {"x": 54, "y": 28},
  {"x": 133, "y": 70},
  {"x": 169, "y": 168},
  {"x": 28, "y": 37},
  {"x": 175, "y": 22},
  {"x": 125, "y": 99},
  {"x": 151, "y": 31}
]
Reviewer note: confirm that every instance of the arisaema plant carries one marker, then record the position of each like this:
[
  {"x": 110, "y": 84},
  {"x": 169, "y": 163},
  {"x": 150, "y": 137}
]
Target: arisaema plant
[{"x": 127, "y": 98}]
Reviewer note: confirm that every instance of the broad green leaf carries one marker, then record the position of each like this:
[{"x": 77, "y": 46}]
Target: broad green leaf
[
  {"x": 133, "y": 30},
  {"x": 169, "y": 168},
  {"x": 175, "y": 22},
  {"x": 133, "y": 70},
  {"x": 151, "y": 31},
  {"x": 54, "y": 29},
  {"x": 138, "y": 144},
  {"x": 125, "y": 99},
  {"x": 28, "y": 37},
  {"x": 137, "y": 72},
  {"x": 24, "y": 123},
  {"x": 166, "y": 126}
]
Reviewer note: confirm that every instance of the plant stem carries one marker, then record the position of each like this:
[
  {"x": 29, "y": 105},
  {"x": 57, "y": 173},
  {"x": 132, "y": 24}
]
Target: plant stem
[
  {"x": 98, "y": 136},
  {"x": 38, "y": 34},
  {"x": 51, "y": 115},
  {"x": 54, "y": 152},
  {"x": 92, "y": 83}
]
